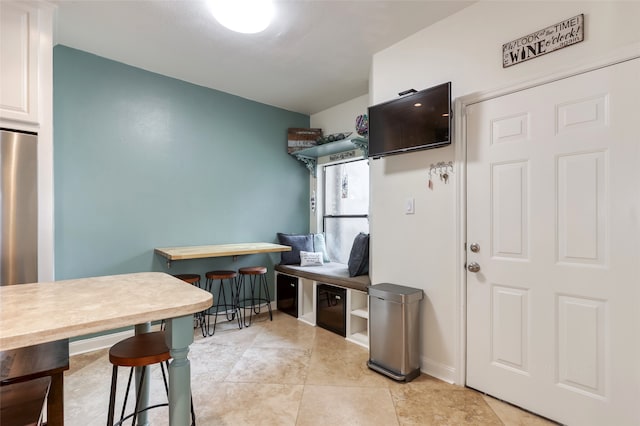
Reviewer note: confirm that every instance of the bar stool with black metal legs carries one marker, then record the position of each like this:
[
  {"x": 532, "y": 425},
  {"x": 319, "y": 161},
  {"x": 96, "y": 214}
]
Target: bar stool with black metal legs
[
  {"x": 190, "y": 278},
  {"x": 198, "y": 317},
  {"x": 257, "y": 283},
  {"x": 221, "y": 304},
  {"x": 141, "y": 350}
]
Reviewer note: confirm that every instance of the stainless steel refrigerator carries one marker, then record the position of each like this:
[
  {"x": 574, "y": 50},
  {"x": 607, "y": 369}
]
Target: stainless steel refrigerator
[{"x": 18, "y": 207}]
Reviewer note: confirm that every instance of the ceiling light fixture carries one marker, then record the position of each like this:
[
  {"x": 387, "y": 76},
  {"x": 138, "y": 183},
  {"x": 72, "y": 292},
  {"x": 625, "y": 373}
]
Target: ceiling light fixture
[{"x": 243, "y": 16}]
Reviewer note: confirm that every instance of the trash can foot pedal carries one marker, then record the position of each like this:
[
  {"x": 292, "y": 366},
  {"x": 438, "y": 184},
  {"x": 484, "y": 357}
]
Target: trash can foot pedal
[{"x": 395, "y": 376}]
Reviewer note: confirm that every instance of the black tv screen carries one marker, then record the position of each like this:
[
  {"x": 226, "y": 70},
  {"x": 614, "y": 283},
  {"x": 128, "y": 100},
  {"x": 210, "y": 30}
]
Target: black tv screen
[{"x": 421, "y": 120}]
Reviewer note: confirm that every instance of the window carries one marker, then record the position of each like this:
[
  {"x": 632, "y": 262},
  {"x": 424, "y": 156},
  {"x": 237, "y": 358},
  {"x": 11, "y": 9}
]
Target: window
[{"x": 346, "y": 206}]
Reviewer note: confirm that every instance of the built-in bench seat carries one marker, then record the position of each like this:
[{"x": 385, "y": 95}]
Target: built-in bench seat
[
  {"x": 329, "y": 273},
  {"x": 335, "y": 274}
]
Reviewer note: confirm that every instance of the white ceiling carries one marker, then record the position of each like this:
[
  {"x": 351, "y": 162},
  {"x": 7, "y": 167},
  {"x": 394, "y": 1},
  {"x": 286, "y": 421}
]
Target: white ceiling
[{"x": 316, "y": 54}]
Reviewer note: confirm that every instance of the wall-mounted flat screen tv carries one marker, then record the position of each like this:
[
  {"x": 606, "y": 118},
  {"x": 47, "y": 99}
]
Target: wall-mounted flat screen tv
[{"x": 421, "y": 120}]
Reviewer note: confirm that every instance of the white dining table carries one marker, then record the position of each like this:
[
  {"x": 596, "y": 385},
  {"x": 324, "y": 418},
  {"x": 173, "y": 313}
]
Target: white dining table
[{"x": 36, "y": 313}]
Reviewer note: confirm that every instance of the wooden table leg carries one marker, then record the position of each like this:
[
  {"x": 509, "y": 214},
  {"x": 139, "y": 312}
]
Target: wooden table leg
[
  {"x": 179, "y": 335},
  {"x": 143, "y": 393},
  {"x": 55, "y": 401}
]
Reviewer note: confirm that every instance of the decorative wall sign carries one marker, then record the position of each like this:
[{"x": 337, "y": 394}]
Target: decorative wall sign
[
  {"x": 342, "y": 155},
  {"x": 563, "y": 34},
  {"x": 298, "y": 139}
]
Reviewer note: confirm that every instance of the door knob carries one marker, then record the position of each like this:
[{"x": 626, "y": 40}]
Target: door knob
[
  {"x": 473, "y": 267},
  {"x": 474, "y": 247}
]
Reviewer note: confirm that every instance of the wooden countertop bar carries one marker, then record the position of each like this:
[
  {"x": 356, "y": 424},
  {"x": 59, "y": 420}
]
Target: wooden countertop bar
[
  {"x": 219, "y": 250},
  {"x": 43, "y": 312},
  {"x": 31, "y": 314}
]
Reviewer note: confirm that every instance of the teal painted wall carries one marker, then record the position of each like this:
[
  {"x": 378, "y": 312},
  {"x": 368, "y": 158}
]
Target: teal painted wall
[{"x": 142, "y": 160}]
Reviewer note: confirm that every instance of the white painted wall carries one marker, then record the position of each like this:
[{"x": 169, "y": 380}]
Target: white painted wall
[
  {"x": 341, "y": 118},
  {"x": 419, "y": 250}
]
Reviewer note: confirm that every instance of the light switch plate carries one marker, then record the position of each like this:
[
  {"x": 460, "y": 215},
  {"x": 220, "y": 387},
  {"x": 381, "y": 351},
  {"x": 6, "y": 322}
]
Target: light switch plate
[{"x": 409, "y": 206}]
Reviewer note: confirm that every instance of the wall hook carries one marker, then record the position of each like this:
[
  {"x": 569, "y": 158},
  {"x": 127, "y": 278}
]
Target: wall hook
[{"x": 441, "y": 169}]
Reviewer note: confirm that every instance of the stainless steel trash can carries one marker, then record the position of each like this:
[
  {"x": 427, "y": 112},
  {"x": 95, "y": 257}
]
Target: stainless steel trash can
[{"x": 394, "y": 312}]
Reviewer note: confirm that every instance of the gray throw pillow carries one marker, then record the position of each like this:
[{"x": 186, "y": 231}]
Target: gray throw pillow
[
  {"x": 359, "y": 258},
  {"x": 297, "y": 243}
]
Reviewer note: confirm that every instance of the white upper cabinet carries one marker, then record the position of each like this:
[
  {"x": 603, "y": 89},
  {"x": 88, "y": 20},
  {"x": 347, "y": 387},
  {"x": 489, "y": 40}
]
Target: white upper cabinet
[{"x": 19, "y": 43}]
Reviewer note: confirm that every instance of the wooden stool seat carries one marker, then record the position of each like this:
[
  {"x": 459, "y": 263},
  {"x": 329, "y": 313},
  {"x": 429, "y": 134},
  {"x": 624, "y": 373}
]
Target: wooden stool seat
[
  {"x": 221, "y": 275},
  {"x": 140, "y": 350},
  {"x": 253, "y": 270},
  {"x": 190, "y": 278}
]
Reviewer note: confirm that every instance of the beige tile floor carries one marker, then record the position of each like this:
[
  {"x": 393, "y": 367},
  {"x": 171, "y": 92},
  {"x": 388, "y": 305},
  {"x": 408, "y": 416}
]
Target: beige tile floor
[{"x": 284, "y": 372}]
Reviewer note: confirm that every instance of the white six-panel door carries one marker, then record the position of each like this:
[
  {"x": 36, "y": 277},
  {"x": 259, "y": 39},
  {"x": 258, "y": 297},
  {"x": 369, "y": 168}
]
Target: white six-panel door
[{"x": 553, "y": 204}]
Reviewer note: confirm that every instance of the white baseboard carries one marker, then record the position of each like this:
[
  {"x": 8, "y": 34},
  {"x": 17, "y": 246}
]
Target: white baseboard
[
  {"x": 438, "y": 370},
  {"x": 91, "y": 344}
]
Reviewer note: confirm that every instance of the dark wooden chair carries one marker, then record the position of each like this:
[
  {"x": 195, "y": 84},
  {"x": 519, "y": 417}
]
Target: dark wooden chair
[
  {"x": 22, "y": 403},
  {"x": 48, "y": 360}
]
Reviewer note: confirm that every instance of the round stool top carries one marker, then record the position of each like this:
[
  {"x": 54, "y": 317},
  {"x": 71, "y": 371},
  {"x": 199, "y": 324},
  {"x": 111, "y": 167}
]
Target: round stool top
[
  {"x": 140, "y": 350},
  {"x": 253, "y": 270},
  {"x": 221, "y": 275},
  {"x": 190, "y": 278}
]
